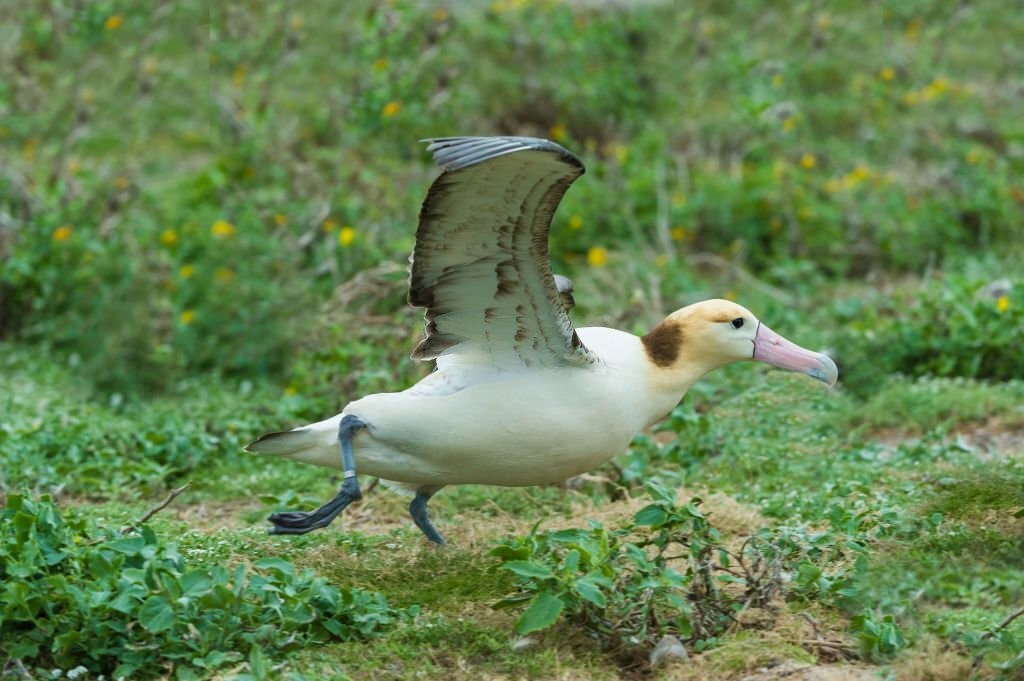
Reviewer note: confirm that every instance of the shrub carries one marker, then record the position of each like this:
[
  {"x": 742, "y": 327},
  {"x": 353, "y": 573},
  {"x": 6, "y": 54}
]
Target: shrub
[
  {"x": 947, "y": 328},
  {"x": 130, "y": 606}
]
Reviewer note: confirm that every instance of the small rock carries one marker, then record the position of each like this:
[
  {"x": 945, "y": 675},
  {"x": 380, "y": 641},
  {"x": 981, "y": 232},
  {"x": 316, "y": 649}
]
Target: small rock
[
  {"x": 668, "y": 649},
  {"x": 996, "y": 289}
]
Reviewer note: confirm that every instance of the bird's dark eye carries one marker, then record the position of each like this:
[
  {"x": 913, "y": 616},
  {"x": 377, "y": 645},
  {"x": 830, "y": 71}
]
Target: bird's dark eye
[{"x": 737, "y": 323}]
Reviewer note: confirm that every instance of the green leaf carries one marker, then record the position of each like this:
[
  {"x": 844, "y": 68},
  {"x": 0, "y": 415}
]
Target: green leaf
[
  {"x": 195, "y": 583},
  {"x": 572, "y": 560},
  {"x": 130, "y": 546},
  {"x": 526, "y": 568},
  {"x": 652, "y": 515},
  {"x": 509, "y": 552},
  {"x": 257, "y": 664},
  {"x": 275, "y": 563},
  {"x": 660, "y": 493},
  {"x": 542, "y": 613},
  {"x": 590, "y": 591},
  {"x": 156, "y": 614}
]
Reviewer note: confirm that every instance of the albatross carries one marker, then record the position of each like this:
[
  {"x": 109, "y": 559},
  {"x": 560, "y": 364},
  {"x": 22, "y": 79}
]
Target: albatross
[{"x": 519, "y": 397}]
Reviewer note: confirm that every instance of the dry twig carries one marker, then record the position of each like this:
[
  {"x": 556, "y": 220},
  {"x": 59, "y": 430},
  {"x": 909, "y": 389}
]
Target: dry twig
[
  {"x": 156, "y": 509},
  {"x": 1005, "y": 623}
]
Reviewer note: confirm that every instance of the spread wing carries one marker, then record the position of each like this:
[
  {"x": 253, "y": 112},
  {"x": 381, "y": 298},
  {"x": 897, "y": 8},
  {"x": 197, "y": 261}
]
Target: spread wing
[{"x": 481, "y": 267}]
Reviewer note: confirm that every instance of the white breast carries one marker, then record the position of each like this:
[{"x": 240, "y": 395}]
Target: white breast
[{"x": 513, "y": 429}]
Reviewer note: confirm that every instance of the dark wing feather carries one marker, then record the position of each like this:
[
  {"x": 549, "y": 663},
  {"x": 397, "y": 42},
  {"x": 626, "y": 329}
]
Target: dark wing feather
[{"x": 481, "y": 267}]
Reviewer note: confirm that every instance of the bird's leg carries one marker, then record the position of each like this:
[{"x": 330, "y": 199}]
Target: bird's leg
[
  {"x": 299, "y": 522},
  {"x": 418, "y": 511}
]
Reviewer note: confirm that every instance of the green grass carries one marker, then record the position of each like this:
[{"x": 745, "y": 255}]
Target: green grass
[{"x": 205, "y": 217}]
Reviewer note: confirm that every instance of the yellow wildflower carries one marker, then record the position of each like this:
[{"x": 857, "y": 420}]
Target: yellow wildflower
[
  {"x": 187, "y": 317},
  {"x": 346, "y": 236},
  {"x": 113, "y": 22},
  {"x": 808, "y": 161},
  {"x": 187, "y": 271},
  {"x": 168, "y": 237},
  {"x": 1003, "y": 303},
  {"x": 575, "y": 222},
  {"x": 935, "y": 89},
  {"x": 222, "y": 229},
  {"x": 28, "y": 152},
  {"x": 62, "y": 233},
  {"x": 224, "y": 274},
  {"x": 296, "y": 22},
  {"x": 912, "y": 98},
  {"x": 329, "y": 225},
  {"x": 291, "y": 391},
  {"x": 789, "y": 123},
  {"x": 621, "y": 152},
  {"x": 678, "y": 233},
  {"x": 860, "y": 173},
  {"x": 777, "y": 80},
  {"x": 824, "y": 21},
  {"x": 913, "y": 29},
  {"x": 557, "y": 132},
  {"x": 833, "y": 185},
  {"x": 679, "y": 199},
  {"x": 597, "y": 256},
  {"x": 280, "y": 219},
  {"x": 887, "y": 73},
  {"x": 390, "y": 109},
  {"x": 73, "y": 166},
  {"x": 150, "y": 65},
  {"x": 729, "y": 295},
  {"x": 440, "y": 14},
  {"x": 239, "y": 74},
  {"x": 380, "y": 64},
  {"x": 805, "y": 213},
  {"x": 973, "y": 157},
  {"x": 660, "y": 260},
  {"x": 121, "y": 183}
]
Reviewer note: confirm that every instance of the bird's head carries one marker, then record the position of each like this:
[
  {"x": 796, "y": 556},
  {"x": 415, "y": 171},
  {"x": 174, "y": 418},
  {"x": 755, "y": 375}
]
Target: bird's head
[{"x": 708, "y": 335}]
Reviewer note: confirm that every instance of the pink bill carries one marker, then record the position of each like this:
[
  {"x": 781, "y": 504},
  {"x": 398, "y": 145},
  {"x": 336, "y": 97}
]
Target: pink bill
[{"x": 771, "y": 348}]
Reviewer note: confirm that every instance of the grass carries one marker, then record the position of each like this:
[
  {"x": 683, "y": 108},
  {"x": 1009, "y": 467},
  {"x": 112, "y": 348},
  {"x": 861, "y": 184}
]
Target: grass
[
  {"x": 204, "y": 220},
  {"x": 944, "y": 555}
]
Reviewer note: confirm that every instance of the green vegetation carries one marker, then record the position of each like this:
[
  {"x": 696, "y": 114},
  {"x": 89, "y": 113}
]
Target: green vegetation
[
  {"x": 205, "y": 216},
  {"x": 126, "y": 604}
]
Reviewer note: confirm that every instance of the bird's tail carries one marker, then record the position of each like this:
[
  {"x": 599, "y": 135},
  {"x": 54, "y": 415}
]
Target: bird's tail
[{"x": 285, "y": 443}]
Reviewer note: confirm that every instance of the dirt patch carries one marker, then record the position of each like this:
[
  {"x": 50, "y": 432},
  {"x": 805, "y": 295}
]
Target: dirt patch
[
  {"x": 797, "y": 671},
  {"x": 995, "y": 436},
  {"x": 210, "y": 516}
]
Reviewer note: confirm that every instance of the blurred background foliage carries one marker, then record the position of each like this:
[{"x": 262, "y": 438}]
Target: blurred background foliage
[{"x": 235, "y": 189}]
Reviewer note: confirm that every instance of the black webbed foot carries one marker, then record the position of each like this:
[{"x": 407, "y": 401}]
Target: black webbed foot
[
  {"x": 418, "y": 511},
  {"x": 301, "y": 522}
]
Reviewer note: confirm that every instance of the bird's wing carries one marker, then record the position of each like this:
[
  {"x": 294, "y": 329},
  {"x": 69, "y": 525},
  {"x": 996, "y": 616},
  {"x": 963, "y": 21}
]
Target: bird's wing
[{"x": 480, "y": 266}]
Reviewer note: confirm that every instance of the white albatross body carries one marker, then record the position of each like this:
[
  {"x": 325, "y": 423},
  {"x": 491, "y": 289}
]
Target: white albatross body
[
  {"x": 513, "y": 429},
  {"x": 519, "y": 396}
]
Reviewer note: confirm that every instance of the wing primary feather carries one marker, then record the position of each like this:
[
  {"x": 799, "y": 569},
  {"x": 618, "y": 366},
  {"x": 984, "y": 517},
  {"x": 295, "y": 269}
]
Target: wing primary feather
[{"x": 456, "y": 153}]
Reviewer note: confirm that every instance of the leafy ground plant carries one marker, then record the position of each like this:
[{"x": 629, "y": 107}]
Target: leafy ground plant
[
  {"x": 129, "y": 606},
  {"x": 632, "y": 585}
]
